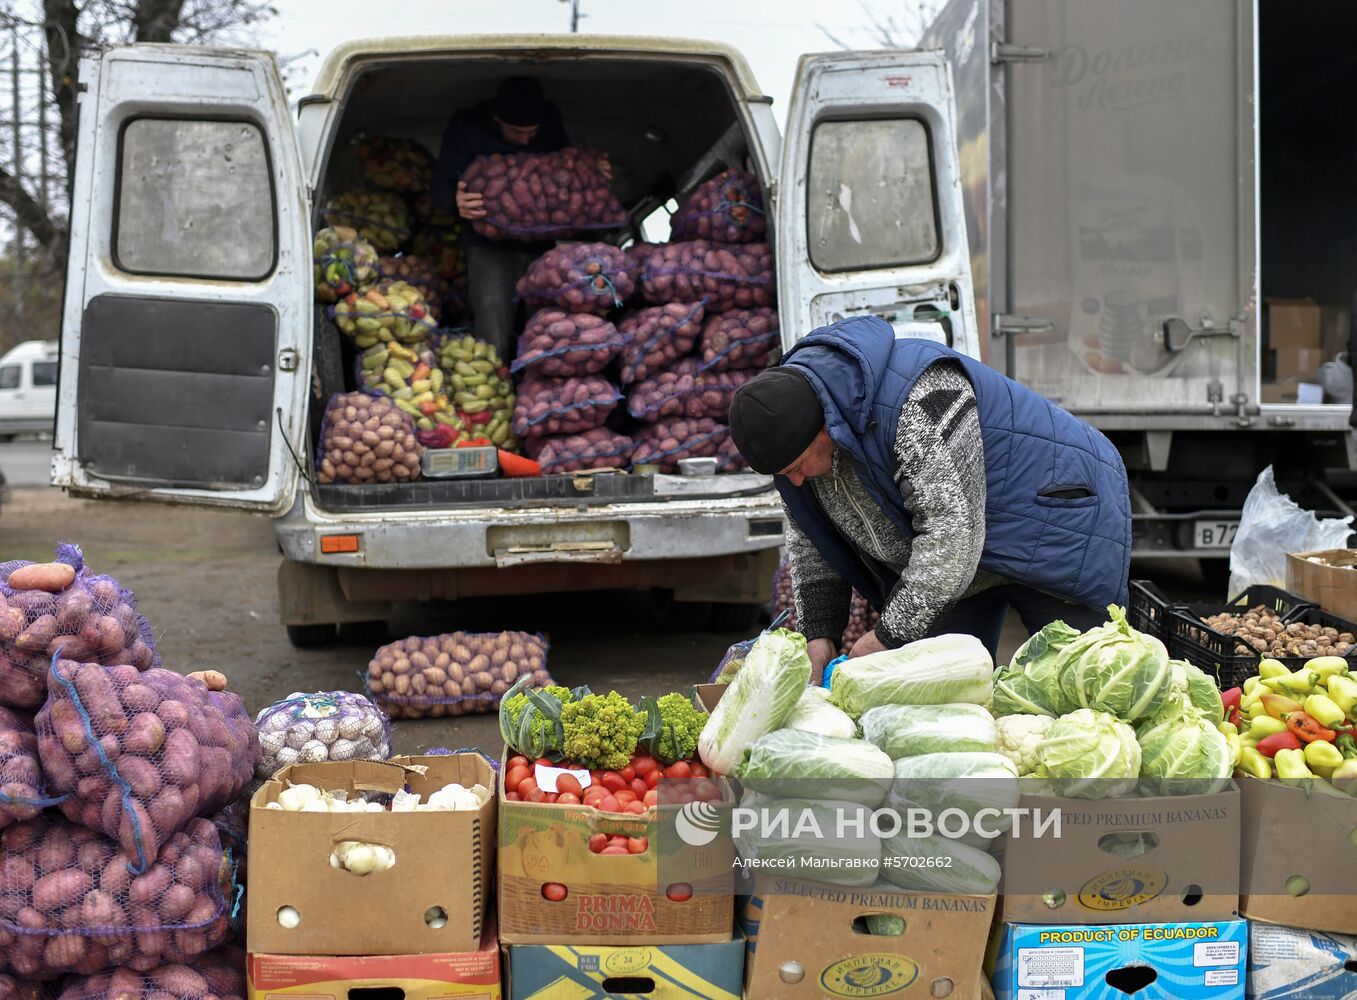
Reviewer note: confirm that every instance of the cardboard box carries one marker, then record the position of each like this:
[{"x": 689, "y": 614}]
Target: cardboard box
[
  {"x": 1278, "y": 392},
  {"x": 1187, "y": 865},
  {"x": 1300, "y": 363},
  {"x": 1290, "y": 835},
  {"x": 1286, "y": 963},
  {"x": 1331, "y": 583},
  {"x": 443, "y": 859},
  {"x": 599, "y": 972},
  {"x": 803, "y": 944},
  {"x": 469, "y": 976},
  {"x": 611, "y": 899},
  {"x": 1294, "y": 323},
  {"x": 1190, "y": 961}
]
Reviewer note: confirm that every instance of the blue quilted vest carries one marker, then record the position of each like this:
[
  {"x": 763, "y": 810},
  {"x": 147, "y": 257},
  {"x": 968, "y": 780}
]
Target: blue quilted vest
[{"x": 1077, "y": 549}]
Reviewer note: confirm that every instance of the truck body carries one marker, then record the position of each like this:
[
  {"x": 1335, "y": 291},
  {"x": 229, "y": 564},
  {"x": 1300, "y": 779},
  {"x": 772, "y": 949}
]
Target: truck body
[
  {"x": 1162, "y": 242},
  {"x": 196, "y": 366}
]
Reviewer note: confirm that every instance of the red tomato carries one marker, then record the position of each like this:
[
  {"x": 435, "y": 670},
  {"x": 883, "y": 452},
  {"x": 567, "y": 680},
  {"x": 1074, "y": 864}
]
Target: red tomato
[
  {"x": 635, "y": 807},
  {"x": 627, "y": 773},
  {"x": 679, "y": 892},
  {"x": 644, "y": 765},
  {"x": 685, "y": 798},
  {"x": 706, "y": 790},
  {"x": 652, "y": 798},
  {"x": 597, "y": 842},
  {"x": 517, "y": 760},
  {"x": 638, "y": 785},
  {"x": 552, "y": 797},
  {"x": 625, "y": 795},
  {"x": 569, "y": 783},
  {"x": 612, "y": 781},
  {"x": 652, "y": 777},
  {"x": 698, "y": 771},
  {"x": 527, "y": 785},
  {"x": 594, "y": 797},
  {"x": 610, "y": 805},
  {"x": 515, "y": 775},
  {"x": 638, "y": 845},
  {"x": 555, "y": 892},
  {"x": 544, "y": 762},
  {"x": 536, "y": 795},
  {"x": 615, "y": 849},
  {"x": 512, "y": 797},
  {"x": 679, "y": 769},
  {"x": 567, "y": 799}
]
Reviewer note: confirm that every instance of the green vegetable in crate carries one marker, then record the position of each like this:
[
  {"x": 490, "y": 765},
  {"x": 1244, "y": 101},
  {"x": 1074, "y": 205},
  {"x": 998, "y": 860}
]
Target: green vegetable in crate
[
  {"x": 1186, "y": 755},
  {"x": 970, "y": 782},
  {"x": 391, "y": 311},
  {"x": 821, "y": 767},
  {"x": 672, "y": 727},
  {"x": 814, "y": 714},
  {"x": 1200, "y": 690},
  {"x": 1115, "y": 669},
  {"x": 344, "y": 263},
  {"x": 818, "y": 839},
  {"x": 381, "y": 217},
  {"x": 907, "y": 730},
  {"x": 776, "y": 670},
  {"x": 601, "y": 730},
  {"x": 1030, "y": 684},
  {"x": 1090, "y": 755},
  {"x": 937, "y": 864},
  {"x": 530, "y": 718},
  {"x": 935, "y": 671},
  {"x": 1020, "y": 739}
]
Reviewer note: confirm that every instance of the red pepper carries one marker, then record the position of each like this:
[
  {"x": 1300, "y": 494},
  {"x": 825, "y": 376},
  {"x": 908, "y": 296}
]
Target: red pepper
[
  {"x": 1233, "y": 718},
  {"x": 1231, "y": 698},
  {"x": 1307, "y": 728},
  {"x": 1269, "y": 746}
]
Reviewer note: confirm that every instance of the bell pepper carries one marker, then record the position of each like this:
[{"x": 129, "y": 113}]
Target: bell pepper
[
  {"x": 1322, "y": 709},
  {"x": 1266, "y": 726},
  {"x": 1302, "y": 682},
  {"x": 1279, "y": 706},
  {"x": 1307, "y": 728},
  {"x": 1268, "y": 667},
  {"x": 1269, "y": 746},
  {"x": 1322, "y": 753},
  {"x": 1344, "y": 777},
  {"x": 1236, "y": 745},
  {"x": 1231, "y": 698},
  {"x": 1343, "y": 693},
  {"x": 1291, "y": 767},
  {"x": 1254, "y": 763},
  {"x": 1327, "y": 666},
  {"x": 1251, "y": 684},
  {"x": 1251, "y": 705}
]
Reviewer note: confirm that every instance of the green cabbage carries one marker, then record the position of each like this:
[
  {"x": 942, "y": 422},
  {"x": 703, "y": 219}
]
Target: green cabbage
[
  {"x": 1090, "y": 755},
  {"x": 936, "y": 864},
  {"x": 814, "y": 714},
  {"x": 1115, "y": 669},
  {"x": 966, "y": 781},
  {"x": 907, "y": 730},
  {"x": 792, "y": 763},
  {"x": 1200, "y": 689},
  {"x": 933, "y": 671},
  {"x": 845, "y": 851},
  {"x": 776, "y": 670},
  {"x": 1184, "y": 755},
  {"x": 1030, "y": 685}
]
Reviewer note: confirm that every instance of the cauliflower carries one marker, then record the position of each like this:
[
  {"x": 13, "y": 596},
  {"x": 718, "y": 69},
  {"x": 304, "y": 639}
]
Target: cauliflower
[{"x": 1019, "y": 737}]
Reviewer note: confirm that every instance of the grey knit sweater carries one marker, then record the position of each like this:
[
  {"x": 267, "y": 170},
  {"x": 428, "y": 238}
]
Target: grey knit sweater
[{"x": 940, "y": 471}]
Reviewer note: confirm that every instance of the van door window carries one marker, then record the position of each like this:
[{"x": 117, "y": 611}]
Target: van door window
[
  {"x": 194, "y": 198},
  {"x": 870, "y": 200},
  {"x": 9, "y": 377},
  {"x": 44, "y": 373}
]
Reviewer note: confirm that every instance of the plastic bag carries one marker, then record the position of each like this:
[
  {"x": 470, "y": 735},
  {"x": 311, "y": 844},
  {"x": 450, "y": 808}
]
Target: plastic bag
[
  {"x": 727, "y": 276},
  {"x": 343, "y": 263},
  {"x": 390, "y": 311},
  {"x": 457, "y": 673},
  {"x": 323, "y": 726},
  {"x": 667, "y": 442},
  {"x": 728, "y": 208},
  {"x": 734, "y": 656},
  {"x": 381, "y": 217},
  {"x": 552, "y": 406},
  {"x": 138, "y": 755},
  {"x": 578, "y": 277},
  {"x": 1271, "y": 525},
  {"x": 562, "y": 344},
  {"x": 218, "y": 975},
  {"x": 599, "y": 448},
  {"x": 70, "y": 902},
  {"x": 658, "y": 337},
  {"x": 93, "y": 618},
  {"x": 479, "y": 385},
  {"x": 685, "y": 391},
  {"x": 366, "y": 439},
  {"x": 398, "y": 164},
  {"x": 23, "y": 792},
  {"x": 536, "y": 196},
  {"x": 741, "y": 339}
]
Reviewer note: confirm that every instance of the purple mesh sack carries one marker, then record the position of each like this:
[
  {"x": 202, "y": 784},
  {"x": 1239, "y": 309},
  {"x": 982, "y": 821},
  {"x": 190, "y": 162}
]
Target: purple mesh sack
[
  {"x": 562, "y": 344},
  {"x": 657, "y": 337},
  {"x": 728, "y": 208},
  {"x": 218, "y": 975},
  {"x": 139, "y": 755},
  {"x": 313, "y": 728},
  {"x": 685, "y": 391},
  {"x": 668, "y": 441},
  {"x": 741, "y": 338},
  {"x": 554, "y": 406},
  {"x": 457, "y": 673},
  {"x": 21, "y": 989},
  {"x": 728, "y": 457},
  {"x": 71, "y": 902},
  {"x": 578, "y": 277},
  {"x": 535, "y": 196},
  {"x": 92, "y": 617},
  {"x": 23, "y": 792},
  {"x": 727, "y": 275},
  {"x": 367, "y": 439},
  {"x": 637, "y": 255},
  {"x": 599, "y": 448}
]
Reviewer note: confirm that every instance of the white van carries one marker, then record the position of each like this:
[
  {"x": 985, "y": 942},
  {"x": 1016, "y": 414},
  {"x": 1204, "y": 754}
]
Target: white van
[
  {"x": 28, "y": 388},
  {"x": 198, "y": 367}
]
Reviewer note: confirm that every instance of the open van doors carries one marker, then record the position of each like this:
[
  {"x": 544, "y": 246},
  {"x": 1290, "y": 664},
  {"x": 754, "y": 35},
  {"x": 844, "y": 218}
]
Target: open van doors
[
  {"x": 869, "y": 212},
  {"x": 186, "y": 335}
]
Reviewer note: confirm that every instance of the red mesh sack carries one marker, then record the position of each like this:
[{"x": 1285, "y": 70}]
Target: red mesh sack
[
  {"x": 561, "y": 344},
  {"x": 667, "y": 442},
  {"x": 21, "y": 989},
  {"x": 741, "y": 338},
  {"x": 599, "y": 448},
  {"x": 218, "y": 975},
  {"x": 537, "y": 196},
  {"x": 578, "y": 277},
  {"x": 685, "y": 391},
  {"x": 728, "y": 208},
  {"x": 550, "y": 407},
  {"x": 658, "y": 337},
  {"x": 637, "y": 255},
  {"x": 727, "y": 275}
]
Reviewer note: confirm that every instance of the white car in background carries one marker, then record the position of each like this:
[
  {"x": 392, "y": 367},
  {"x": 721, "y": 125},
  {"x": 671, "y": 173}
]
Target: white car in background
[{"x": 28, "y": 389}]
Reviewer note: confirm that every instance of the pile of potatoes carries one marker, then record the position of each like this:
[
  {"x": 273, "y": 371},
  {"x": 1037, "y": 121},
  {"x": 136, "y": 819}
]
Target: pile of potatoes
[
  {"x": 637, "y": 255},
  {"x": 724, "y": 275},
  {"x": 657, "y": 337},
  {"x": 531, "y": 196},
  {"x": 726, "y": 209},
  {"x": 392, "y": 310},
  {"x": 381, "y": 217},
  {"x": 417, "y": 272},
  {"x": 555, "y": 406},
  {"x": 599, "y": 448},
  {"x": 367, "y": 439},
  {"x": 665, "y": 443},
  {"x": 313, "y": 728},
  {"x": 457, "y": 673},
  {"x": 218, "y": 975},
  {"x": 138, "y": 755},
  {"x": 70, "y": 900},
  {"x": 685, "y": 391},
  {"x": 397, "y": 164},
  {"x": 578, "y": 277},
  {"x": 344, "y": 262},
  {"x": 45, "y": 607},
  {"x": 561, "y": 344},
  {"x": 22, "y": 794},
  {"x": 741, "y": 338}
]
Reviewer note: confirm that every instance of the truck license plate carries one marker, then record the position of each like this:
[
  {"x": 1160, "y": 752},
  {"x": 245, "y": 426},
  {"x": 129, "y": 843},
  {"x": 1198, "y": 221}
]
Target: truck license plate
[{"x": 1214, "y": 534}]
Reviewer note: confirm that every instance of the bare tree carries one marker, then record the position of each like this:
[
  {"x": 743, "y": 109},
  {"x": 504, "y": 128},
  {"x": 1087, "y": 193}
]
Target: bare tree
[{"x": 897, "y": 25}]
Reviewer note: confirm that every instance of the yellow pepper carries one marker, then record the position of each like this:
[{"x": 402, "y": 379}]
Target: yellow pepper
[
  {"x": 1343, "y": 693},
  {"x": 1327, "y": 666},
  {"x": 1344, "y": 777},
  {"x": 1252, "y": 705},
  {"x": 1236, "y": 746},
  {"x": 1268, "y": 667},
  {"x": 1324, "y": 710},
  {"x": 1254, "y": 763},
  {"x": 1266, "y": 726},
  {"x": 1324, "y": 772},
  {"x": 1302, "y": 682},
  {"x": 1322, "y": 753},
  {"x": 1251, "y": 684},
  {"x": 1291, "y": 767}
]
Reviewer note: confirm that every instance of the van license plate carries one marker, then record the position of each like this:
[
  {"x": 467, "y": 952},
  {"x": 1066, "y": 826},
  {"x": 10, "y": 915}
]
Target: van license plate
[{"x": 1214, "y": 534}]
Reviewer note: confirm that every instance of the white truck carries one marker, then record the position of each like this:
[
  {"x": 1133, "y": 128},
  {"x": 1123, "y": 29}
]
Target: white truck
[{"x": 196, "y": 367}]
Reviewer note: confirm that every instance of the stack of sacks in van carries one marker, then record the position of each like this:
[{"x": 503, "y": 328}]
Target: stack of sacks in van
[{"x": 711, "y": 326}]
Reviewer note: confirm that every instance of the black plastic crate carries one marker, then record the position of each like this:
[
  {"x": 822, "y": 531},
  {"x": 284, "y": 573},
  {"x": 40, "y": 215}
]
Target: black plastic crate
[{"x": 1148, "y": 610}]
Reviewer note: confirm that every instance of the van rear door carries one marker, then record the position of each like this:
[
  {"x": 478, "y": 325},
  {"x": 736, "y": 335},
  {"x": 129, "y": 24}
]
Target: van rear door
[
  {"x": 186, "y": 331},
  {"x": 869, "y": 212}
]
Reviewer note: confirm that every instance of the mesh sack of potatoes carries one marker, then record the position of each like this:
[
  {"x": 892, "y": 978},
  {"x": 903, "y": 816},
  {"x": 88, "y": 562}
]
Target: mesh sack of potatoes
[
  {"x": 725, "y": 275},
  {"x": 366, "y": 439},
  {"x": 309, "y": 728},
  {"x": 666, "y": 443},
  {"x": 685, "y": 391},
  {"x": 457, "y": 673},
  {"x": 380, "y": 217},
  {"x": 536, "y": 196},
  {"x": 658, "y": 337},
  {"x": 396, "y": 164},
  {"x": 728, "y": 457},
  {"x": 727, "y": 209},
  {"x": 562, "y": 344},
  {"x": 548, "y": 407},
  {"x": 599, "y": 448},
  {"x": 343, "y": 262},
  {"x": 578, "y": 277},
  {"x": 390, "y": 311},
  {"x": 741, "y": 339}
]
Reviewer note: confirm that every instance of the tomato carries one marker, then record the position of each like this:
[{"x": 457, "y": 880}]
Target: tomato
[
  {"x": 625, "y": 795},
  {"x": 554, "y": 892},
  {"x": 679, "y": 769},
  {"x": 536, "y": 795},
  {"x": 644, "y": 765},
  {"x": 597, "y": 842},
  {"x": 706, "y": 790},
  {"x": 567, "y": 799},
  {"x": 685, "y": 798},
  {"x": 612, "y": 781},
  {"x": 593, "y": 798},
  {"x": 614, "y": 849},
  {"x": 698, "y": 771},
  {"x": 552, "y": 797},
  {"x": 512, "y": 797},
  {"x": 517, "y": 760},
  {"x": 635, "y": 807},
  {"x": 610, "y": 805},
  {"x": 652, "y": 798},
  {"x": 638, "y": 845},
  {"x": 652, "y": 778},
  {"x": 527, "y": 785},
  {"x": 638, "y": 785},
  {"x": 569, "y": 783},
  {"x": 515, "y": 775},
  {"x": 543, "y": 762},
  {"x": 679, "y": 892},
  {"x": 628, "y": 773}
]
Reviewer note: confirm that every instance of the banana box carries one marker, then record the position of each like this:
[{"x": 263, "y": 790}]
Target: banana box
[
  {"x": 1184, "y": 961},
  {"x": 601, "y": 972}
]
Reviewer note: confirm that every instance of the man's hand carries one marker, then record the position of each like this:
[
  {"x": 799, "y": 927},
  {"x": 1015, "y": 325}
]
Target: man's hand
[
  {"x": 470, "y": 204},
  {"x": 605, "y": 167},
  {"x": 821, "y": 651},
  {"x": 869, "y": 643}
]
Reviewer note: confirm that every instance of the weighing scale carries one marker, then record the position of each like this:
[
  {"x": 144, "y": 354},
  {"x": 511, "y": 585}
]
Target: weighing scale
[{"x": 480, "y": 462}]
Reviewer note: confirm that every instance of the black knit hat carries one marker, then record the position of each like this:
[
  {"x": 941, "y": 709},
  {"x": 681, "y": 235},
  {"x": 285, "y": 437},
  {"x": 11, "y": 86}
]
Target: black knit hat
[
  {"x": 773, "y": 418},
  {"x": 520, "y": 101}
]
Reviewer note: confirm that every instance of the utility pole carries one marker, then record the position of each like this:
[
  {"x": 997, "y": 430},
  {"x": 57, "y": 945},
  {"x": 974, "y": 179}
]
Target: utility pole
[
  {"x": 20, "y": 291},
  {"x": 575, "y": 15},
  {"x": 44, "y": 177}
]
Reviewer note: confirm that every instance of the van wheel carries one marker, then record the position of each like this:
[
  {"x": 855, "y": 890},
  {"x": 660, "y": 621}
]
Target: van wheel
[
  {"x": 743, "y": 618},
  {"x": 363, "y": 633},
  {"x": 307, "y": 636}
]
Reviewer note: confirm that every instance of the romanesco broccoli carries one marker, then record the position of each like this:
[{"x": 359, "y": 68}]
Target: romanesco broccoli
[
  {"x": 1019, "y": 738},
  {"x": 601, "y": 730},
  {"x": 680, "y": 725},
  {"x": 541, "y": 735}
]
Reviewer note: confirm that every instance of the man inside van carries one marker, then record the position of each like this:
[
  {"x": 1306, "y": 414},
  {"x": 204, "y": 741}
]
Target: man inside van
[
  {"x": 518, "y": 119},
  {"x": 942, "y": 491}
]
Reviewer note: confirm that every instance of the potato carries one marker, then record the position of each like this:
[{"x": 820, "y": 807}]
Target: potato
[
  {"x": 561, "y": 344},
  {"x": 578, "y": 277},
  {"x": 666, "y": 442},
  {"x": 547, "y": 406},
  {"x": 599, "y": 448},
  {"x": 722, "y": 276},
  {"x": 22, "y": 791},
  {"x": 685, "y": 391},
  {"x": 741, "y": 339},
  {"x": 729, "y": 459},
  {"x": 658, "y": 337},
  {"x": 399, "y": 674},
  {"x": 343, "y": 725},
  {"x": 346, "y": 418},
  {"x": 533, "y": 196},
  {"x": 728, "y": 208},
  {"x": 52, "y": 577}
]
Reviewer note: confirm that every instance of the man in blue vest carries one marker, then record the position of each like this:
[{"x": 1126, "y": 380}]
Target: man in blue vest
[{"x": 941, "y": 490}]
